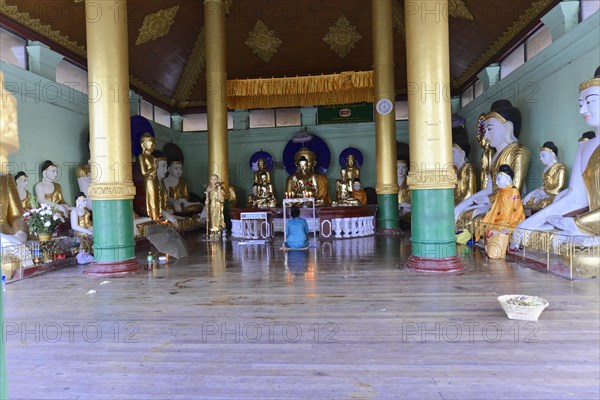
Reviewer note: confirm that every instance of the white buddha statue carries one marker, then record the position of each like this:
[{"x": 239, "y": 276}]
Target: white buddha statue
[
  {"x": 584, "y": 185},
  {"x": 177, "y": 189},
  {"x": 404, "y": 194},
  {"x": 554, "y": 179},
  {"x": 48, "y": 191},
  {"x": 503, "y": 126},
  {"x": 84, "y": 180},
  {"x": 161, "y": 173},
  {"x": 27, "y": 199}
]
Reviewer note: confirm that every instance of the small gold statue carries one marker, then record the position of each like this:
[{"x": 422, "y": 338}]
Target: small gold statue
[
  {"x": 262, "y": 193},
  {"x": 177, "y": 189},
  {"x": 148, "y": 169},
  {"x": 344, "y": 191},
  {"x": 215, "y": 197},
  {"x": 352, "y": 170},
  {"x": 262, "y": 168}
]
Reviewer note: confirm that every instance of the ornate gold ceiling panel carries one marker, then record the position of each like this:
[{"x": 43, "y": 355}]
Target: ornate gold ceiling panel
[
  {"x": 342, "y": 37},
  {"x": 191, "y": 73},
  {"x": 456, "y": 9},
  {"x": 156, "y": 25},
  {"x": 43, "y": 29},
  {"x": 521, "y": 23},
  {"x": 263, "y": 42}
]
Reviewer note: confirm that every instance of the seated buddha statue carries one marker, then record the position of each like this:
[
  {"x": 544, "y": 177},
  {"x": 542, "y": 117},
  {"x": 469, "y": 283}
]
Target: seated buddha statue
[
  {"x": 486, "y": 155},
  {"x": 84, "y": 179},
  {"x": 404, "y": 194},
  {"x": 343, "y": 191},
  {"x": 166, "y": 209},
  {"x": 28, "y": 201},
  {"x": 507, "y": 210},
  {"x": 177, "y": 189},
  {"x": 503, "y": 127},
  {"x": 554, "y": 179},
  {"x": 307, "y": 180},
  {"x": 49, "y": 192},
  {"x": 352, "y": 169},
  {"x": 584, "y": 186},
  {"x": 359, "y": 193},
  {"x": 262, "y": 193},
  {"x": 465, "y": 176},
  {"x": 261, "y": 168},
  {"x": 151, "y": 184},
  {"x": 81, "y": 222}
]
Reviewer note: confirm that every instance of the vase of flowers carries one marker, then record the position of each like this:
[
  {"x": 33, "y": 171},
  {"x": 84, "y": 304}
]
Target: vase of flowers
[{"x": 43, "y": 221}]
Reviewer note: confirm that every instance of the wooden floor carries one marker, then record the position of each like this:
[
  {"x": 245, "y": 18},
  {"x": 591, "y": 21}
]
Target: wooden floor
[{"x": 343, "y": 321}]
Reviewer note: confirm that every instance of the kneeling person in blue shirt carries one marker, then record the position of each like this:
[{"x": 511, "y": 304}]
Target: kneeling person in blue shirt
[{"x": 296, "y": 231}]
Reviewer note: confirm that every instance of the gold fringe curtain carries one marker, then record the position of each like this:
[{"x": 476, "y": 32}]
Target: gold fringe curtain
[{"x": 342, "y": 88}]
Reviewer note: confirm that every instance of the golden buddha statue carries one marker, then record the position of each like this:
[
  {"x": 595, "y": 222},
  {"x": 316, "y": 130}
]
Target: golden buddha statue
[
  {"x": 343, "y": 191},
  {"x": 166, "y": 210},
  {"x": 486, "y": 156},
  {"x": 466, "y": 181},
  {"x": 49, "y": 192},
  {"x": 148, "y": 169},
  {"x": 262, "y": 194},
  {"x": 28, "y": 201},
  {"x": 215, "y": 197},
  {"x": 306, "y": 180},
  {"x": 261, "y": 164},
  {"x": 404, "y": 195},
  {"x": 503, "y": 127},
  {"x": 177, "y": 189},
  {"x": 554, "y": 179},
  {"x": 352, "y": 169},
  {"x": 584, "y": 185}
]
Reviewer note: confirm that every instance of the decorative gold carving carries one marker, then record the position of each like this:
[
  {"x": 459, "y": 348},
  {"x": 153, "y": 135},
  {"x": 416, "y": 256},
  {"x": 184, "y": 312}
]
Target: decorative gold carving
[
  {"x": 458, "y": 9},
  {"x": 521, "y": 23},
  {"x": 262, "y": 41},
  {"x": 111, "y": 191},
  {"x": 157, "y": 25},
  {"x": 149, "y": 90},
  {"x": 43, "y": 29},
  {"x": 432, "y": 179},
  {"x": 227, "y": 6},
  {"x": 342, "y": 36},
  {"x": 387, "y": 188},
  {"x": 191, "y": 73}
]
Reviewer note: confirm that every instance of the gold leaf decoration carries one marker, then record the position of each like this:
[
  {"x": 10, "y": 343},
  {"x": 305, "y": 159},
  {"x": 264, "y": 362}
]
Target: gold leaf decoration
[
  {"x": 262, "y": 41},
  {"x": 458, "y": 9},
  {"x": 156, "y": 25},
  {"x": 342, "y": 37},
  {"x": 191, "y": 73}
]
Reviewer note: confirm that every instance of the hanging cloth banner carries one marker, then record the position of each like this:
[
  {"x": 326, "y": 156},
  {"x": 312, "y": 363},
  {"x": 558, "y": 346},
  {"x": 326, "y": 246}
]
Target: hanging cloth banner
[{"x": 343, "y": 88}]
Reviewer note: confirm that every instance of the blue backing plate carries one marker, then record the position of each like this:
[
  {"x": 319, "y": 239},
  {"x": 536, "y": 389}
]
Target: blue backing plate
[
  {"x": 139, "y": 126},
  {"x": 258, "y": 155},
  {"x": 316, "y": 145},
  {"x": 358, "y": 157}
]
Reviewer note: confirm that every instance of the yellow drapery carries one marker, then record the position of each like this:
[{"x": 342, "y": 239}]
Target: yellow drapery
[{"x": 343, "y": 88}]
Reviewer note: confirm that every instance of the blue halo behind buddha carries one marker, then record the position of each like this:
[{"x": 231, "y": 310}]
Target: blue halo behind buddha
[
  {"x": 257, "y": 156},
  {"x": 139, "y": 125},
  {"x": 358, "y": 157},
  {"x": 314, "y": 143}
]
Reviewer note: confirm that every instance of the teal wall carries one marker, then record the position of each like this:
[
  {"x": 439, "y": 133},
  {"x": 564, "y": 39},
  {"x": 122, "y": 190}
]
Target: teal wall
[
  {"x": 242, "y": 144},
  {"x": 53, "y": 125},
  {"x": 546, "y": 90}
]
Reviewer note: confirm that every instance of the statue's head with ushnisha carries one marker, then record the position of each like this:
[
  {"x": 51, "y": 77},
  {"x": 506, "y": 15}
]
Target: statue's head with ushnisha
[
  {"x": 307, "y": 159},
  {"x": 589, "y": 100}
]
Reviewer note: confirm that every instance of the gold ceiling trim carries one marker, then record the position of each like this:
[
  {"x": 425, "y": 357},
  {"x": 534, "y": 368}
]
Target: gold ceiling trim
[
  {"x": 133, "y": 81},
  {"x": 156, "y": 25},
  {"x": 343, "y": 88},
  {"x": 191, "y": 73},
  {"x": 36, "y": 25},
  {"x": 342, "y": 37},
  {"x": 508, "y": 35},
  {"x": 263, "y": 42}
]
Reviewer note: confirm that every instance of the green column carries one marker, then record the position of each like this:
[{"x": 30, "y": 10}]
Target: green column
[
  {"x": 387, "y": 211},
  {"x": 113, "y": 230},
  {"x": 3, "y": 380},
  {"x": 432, "y": 223}
]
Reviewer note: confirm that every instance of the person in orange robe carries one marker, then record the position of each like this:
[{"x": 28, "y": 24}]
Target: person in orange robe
[{"x": 507, "y": 210}]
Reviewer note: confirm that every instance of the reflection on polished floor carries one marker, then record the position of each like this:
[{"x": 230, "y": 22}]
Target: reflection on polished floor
[{"x": 341, "y": 321}]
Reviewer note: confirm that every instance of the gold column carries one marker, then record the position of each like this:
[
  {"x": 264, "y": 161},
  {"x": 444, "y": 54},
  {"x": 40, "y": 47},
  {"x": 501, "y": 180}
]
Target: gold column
[
  {"x": 108, "y": 83},
  {"x": 430, "y": 121},
  {"x": 216, "y": 83},
  {"x": 385, "y": 124}
]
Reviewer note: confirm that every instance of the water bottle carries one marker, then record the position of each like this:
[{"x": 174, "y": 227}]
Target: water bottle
[{"x": 3, "y": 283}]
